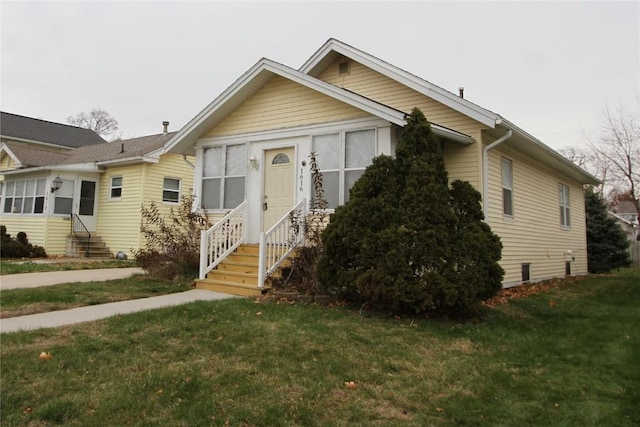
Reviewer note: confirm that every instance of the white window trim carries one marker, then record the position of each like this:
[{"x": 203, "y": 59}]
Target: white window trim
[
  {"x": 509, "y": 188},
  {"x": 342, "y": 192},
  {"x": 112, "y": 187},
  {"x": 223, "y": 176},
  {"x": 565, "y": 205},
  {"x": 179, "y": 190},
  {"x": 24, "y": 196}
]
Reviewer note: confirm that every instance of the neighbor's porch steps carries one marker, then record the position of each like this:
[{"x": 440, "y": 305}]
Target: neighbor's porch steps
[
  {"x": 237, "y": 274},
  {"x": 97, "y": 247}
]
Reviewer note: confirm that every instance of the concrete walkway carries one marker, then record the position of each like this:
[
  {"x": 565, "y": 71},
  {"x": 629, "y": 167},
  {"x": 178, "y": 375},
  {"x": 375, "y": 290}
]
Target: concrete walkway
[
  {"x": 48, "y": 278},
  {"x": 95, "y": 312}
]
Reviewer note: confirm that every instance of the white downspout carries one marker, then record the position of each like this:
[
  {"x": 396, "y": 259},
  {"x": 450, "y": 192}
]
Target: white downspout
[{"x": 485, "y": 172}]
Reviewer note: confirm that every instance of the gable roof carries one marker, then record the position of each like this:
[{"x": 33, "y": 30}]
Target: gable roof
[
  {"x": 22, "y": 128},
  {"x": 144, "y": 148},
  {"x": 29, "y": 156},
  {"x": 257, "y": 76},
  {"x": 334, "y": 49}
]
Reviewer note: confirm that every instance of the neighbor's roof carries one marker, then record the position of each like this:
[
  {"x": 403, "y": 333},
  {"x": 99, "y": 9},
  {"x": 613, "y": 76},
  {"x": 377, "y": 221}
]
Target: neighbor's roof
[
  {"x": 13, "y": 126},
  {"x": 119, "y": 150},
  {"x": 30, "y": 156}
]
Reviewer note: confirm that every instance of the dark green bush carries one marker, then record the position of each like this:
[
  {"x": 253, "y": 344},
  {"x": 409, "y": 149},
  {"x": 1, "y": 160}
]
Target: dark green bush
[
  {"x": 607, "y": 245},
  {"x": 18, "y": 247},
  {"x": 405, "y": 241},
  {"x": 172, "y": 249}
]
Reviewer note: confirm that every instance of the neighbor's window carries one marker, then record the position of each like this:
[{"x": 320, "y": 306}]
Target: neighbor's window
[
  {"x": 63, "y": 203},
  {"x": 171, "y": 190},
  {"x": 115, "y": 191},
  {"x": 565, "y": 212},
  {"x": 507, "y": 187},
  {"x": 342, "y": 158},
  {"x": 25, "y": 196},
  {"x": 223, "y": 176}
]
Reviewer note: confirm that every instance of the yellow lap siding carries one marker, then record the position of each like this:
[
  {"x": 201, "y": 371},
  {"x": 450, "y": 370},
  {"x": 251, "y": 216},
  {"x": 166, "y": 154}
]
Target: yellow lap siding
[
  {"x": 119, "y": 220},
  {"x": 371, "y": 84},
  {"x": 49, "y": 232},
  {"x": 534, "y": 234},
  {"x": 280, "y": 104}
]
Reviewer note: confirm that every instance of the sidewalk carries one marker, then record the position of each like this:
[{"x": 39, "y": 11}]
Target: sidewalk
[
  {"x": 95, "y": 312},
  {"x": 48, "y": 278}
]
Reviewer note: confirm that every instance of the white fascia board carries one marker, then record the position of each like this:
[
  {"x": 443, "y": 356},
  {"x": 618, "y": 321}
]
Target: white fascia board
[
  {"x": 76, "y": 167},
  {"x": 128, "y": 161},
  {"x": 5, "y": 148},
  {"x": 274, "y": 68},
  {"x": 447, "y": 98},
  {"x": 228, "y": 93},
  {"x": 548, "y": 150},
  {"x": 351, "y": 98},
  {"x": 451, "y": 134}
]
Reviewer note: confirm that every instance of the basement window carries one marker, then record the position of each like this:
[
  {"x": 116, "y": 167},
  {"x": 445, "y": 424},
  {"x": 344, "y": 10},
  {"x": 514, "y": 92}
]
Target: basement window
[
  {"x": 567, "y": 268},
  {"x": 526, "y": 272}
]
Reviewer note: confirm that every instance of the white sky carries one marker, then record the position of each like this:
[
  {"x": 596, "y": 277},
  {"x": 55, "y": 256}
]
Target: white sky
[{"x": 549, "y": 67}]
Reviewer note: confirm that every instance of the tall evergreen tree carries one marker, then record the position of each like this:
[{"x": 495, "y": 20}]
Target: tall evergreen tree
[
  {"x": 405, "y": 241},
  {"x": 607, "y": 245}
]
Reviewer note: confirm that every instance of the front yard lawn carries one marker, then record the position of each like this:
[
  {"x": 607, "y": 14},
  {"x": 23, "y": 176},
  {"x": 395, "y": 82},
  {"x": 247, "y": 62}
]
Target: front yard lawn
[
  {"x": 567, "y": 356},
  {"x": 17, "y": 267},
  {"x": 20, "y": 302}
]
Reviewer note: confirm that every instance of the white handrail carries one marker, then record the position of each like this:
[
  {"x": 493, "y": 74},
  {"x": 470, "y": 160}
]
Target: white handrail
[
  {"x": 280, "y": 240},
  {"x": 222, "y": 239}
]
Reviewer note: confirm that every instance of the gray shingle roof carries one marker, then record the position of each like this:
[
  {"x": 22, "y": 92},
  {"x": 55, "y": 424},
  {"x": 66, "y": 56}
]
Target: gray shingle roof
[
  {"x": 15, "y": 126},
  {"x": 31, "y": 156},
  {"x": 119, "y": 149}
]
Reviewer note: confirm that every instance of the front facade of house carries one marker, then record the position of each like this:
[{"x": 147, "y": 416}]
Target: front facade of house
[
  {"x": 103, "y": 187},
  {"x": 253, "y": 143}
]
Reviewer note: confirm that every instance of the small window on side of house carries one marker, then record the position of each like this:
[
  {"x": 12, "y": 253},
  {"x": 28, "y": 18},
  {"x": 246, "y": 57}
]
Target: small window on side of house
[
  {"x": 565, "y": 210},
  {"x": 526, "y": 272},
  {"x": 171, "y": 190},
  {"x": 115, "y": 190},
  {"x": 507, "y": 187}
]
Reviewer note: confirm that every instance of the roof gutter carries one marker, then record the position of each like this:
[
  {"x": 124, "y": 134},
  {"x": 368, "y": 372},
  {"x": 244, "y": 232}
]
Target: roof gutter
[{"x": 485, "y": 172}]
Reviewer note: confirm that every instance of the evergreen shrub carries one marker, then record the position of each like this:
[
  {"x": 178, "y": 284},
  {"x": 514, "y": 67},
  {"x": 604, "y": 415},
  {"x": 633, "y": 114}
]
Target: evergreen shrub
[{"x": 407, "y": 242}]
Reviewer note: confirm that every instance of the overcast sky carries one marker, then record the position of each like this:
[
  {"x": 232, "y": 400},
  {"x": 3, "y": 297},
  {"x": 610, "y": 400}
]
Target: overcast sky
[{"x": 549, "y": 67}]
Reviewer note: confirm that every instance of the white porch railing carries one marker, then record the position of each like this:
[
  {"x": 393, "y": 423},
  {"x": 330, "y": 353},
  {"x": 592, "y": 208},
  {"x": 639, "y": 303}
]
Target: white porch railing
[
  {"x": 280, "y": 240},
  {"x": 222, "y": 239}
]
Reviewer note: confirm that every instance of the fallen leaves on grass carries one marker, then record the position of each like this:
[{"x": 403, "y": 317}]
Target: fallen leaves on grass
[
  {"x": 45, "y": 356},
  {"x": 350, "y": 384},
  {"x": 527, "y": 290}
]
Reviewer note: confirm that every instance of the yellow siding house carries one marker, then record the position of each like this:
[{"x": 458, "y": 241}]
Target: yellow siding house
[
  {"x": 77, "y": 195},
  {"x": 253, "y": 142}
]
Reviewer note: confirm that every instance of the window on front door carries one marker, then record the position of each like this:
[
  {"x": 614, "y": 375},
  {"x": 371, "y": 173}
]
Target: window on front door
[
  {"x": 223, "y": 176},
  {"x": 342, "y": 158}
]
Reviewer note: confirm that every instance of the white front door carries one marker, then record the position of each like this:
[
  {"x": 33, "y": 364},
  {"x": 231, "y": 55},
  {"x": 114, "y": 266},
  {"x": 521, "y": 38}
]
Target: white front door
[
  {"x": 87, "y": 203},
  {"x": 278, "y": 185}
]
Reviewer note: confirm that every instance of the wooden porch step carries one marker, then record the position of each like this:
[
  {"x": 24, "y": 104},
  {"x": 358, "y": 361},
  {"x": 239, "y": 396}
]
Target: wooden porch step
[
  {"x": 232, "y": 288},
  {"x": 234, "y": 277}
]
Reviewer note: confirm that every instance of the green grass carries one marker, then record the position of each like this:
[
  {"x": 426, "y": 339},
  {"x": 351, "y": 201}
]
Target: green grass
[
  {"x": 17, "y": 267},
  {"x": 241, "y": 363},
  {"x": 20, "y": 302}
]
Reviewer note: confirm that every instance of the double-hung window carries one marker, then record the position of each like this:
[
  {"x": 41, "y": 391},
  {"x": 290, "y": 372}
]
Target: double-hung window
[
  {"x": 63, "y": 203},
  {"x": 223, "y": 176},
  {"x": 25, "y": 196},
  {"x": 115, "y": 191},
  {"x": 565, "y": 212},
  {"x": 342, "y": 158},
  {"x": 171, "y": 190},
  {"x": 507, "y": 187}
]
